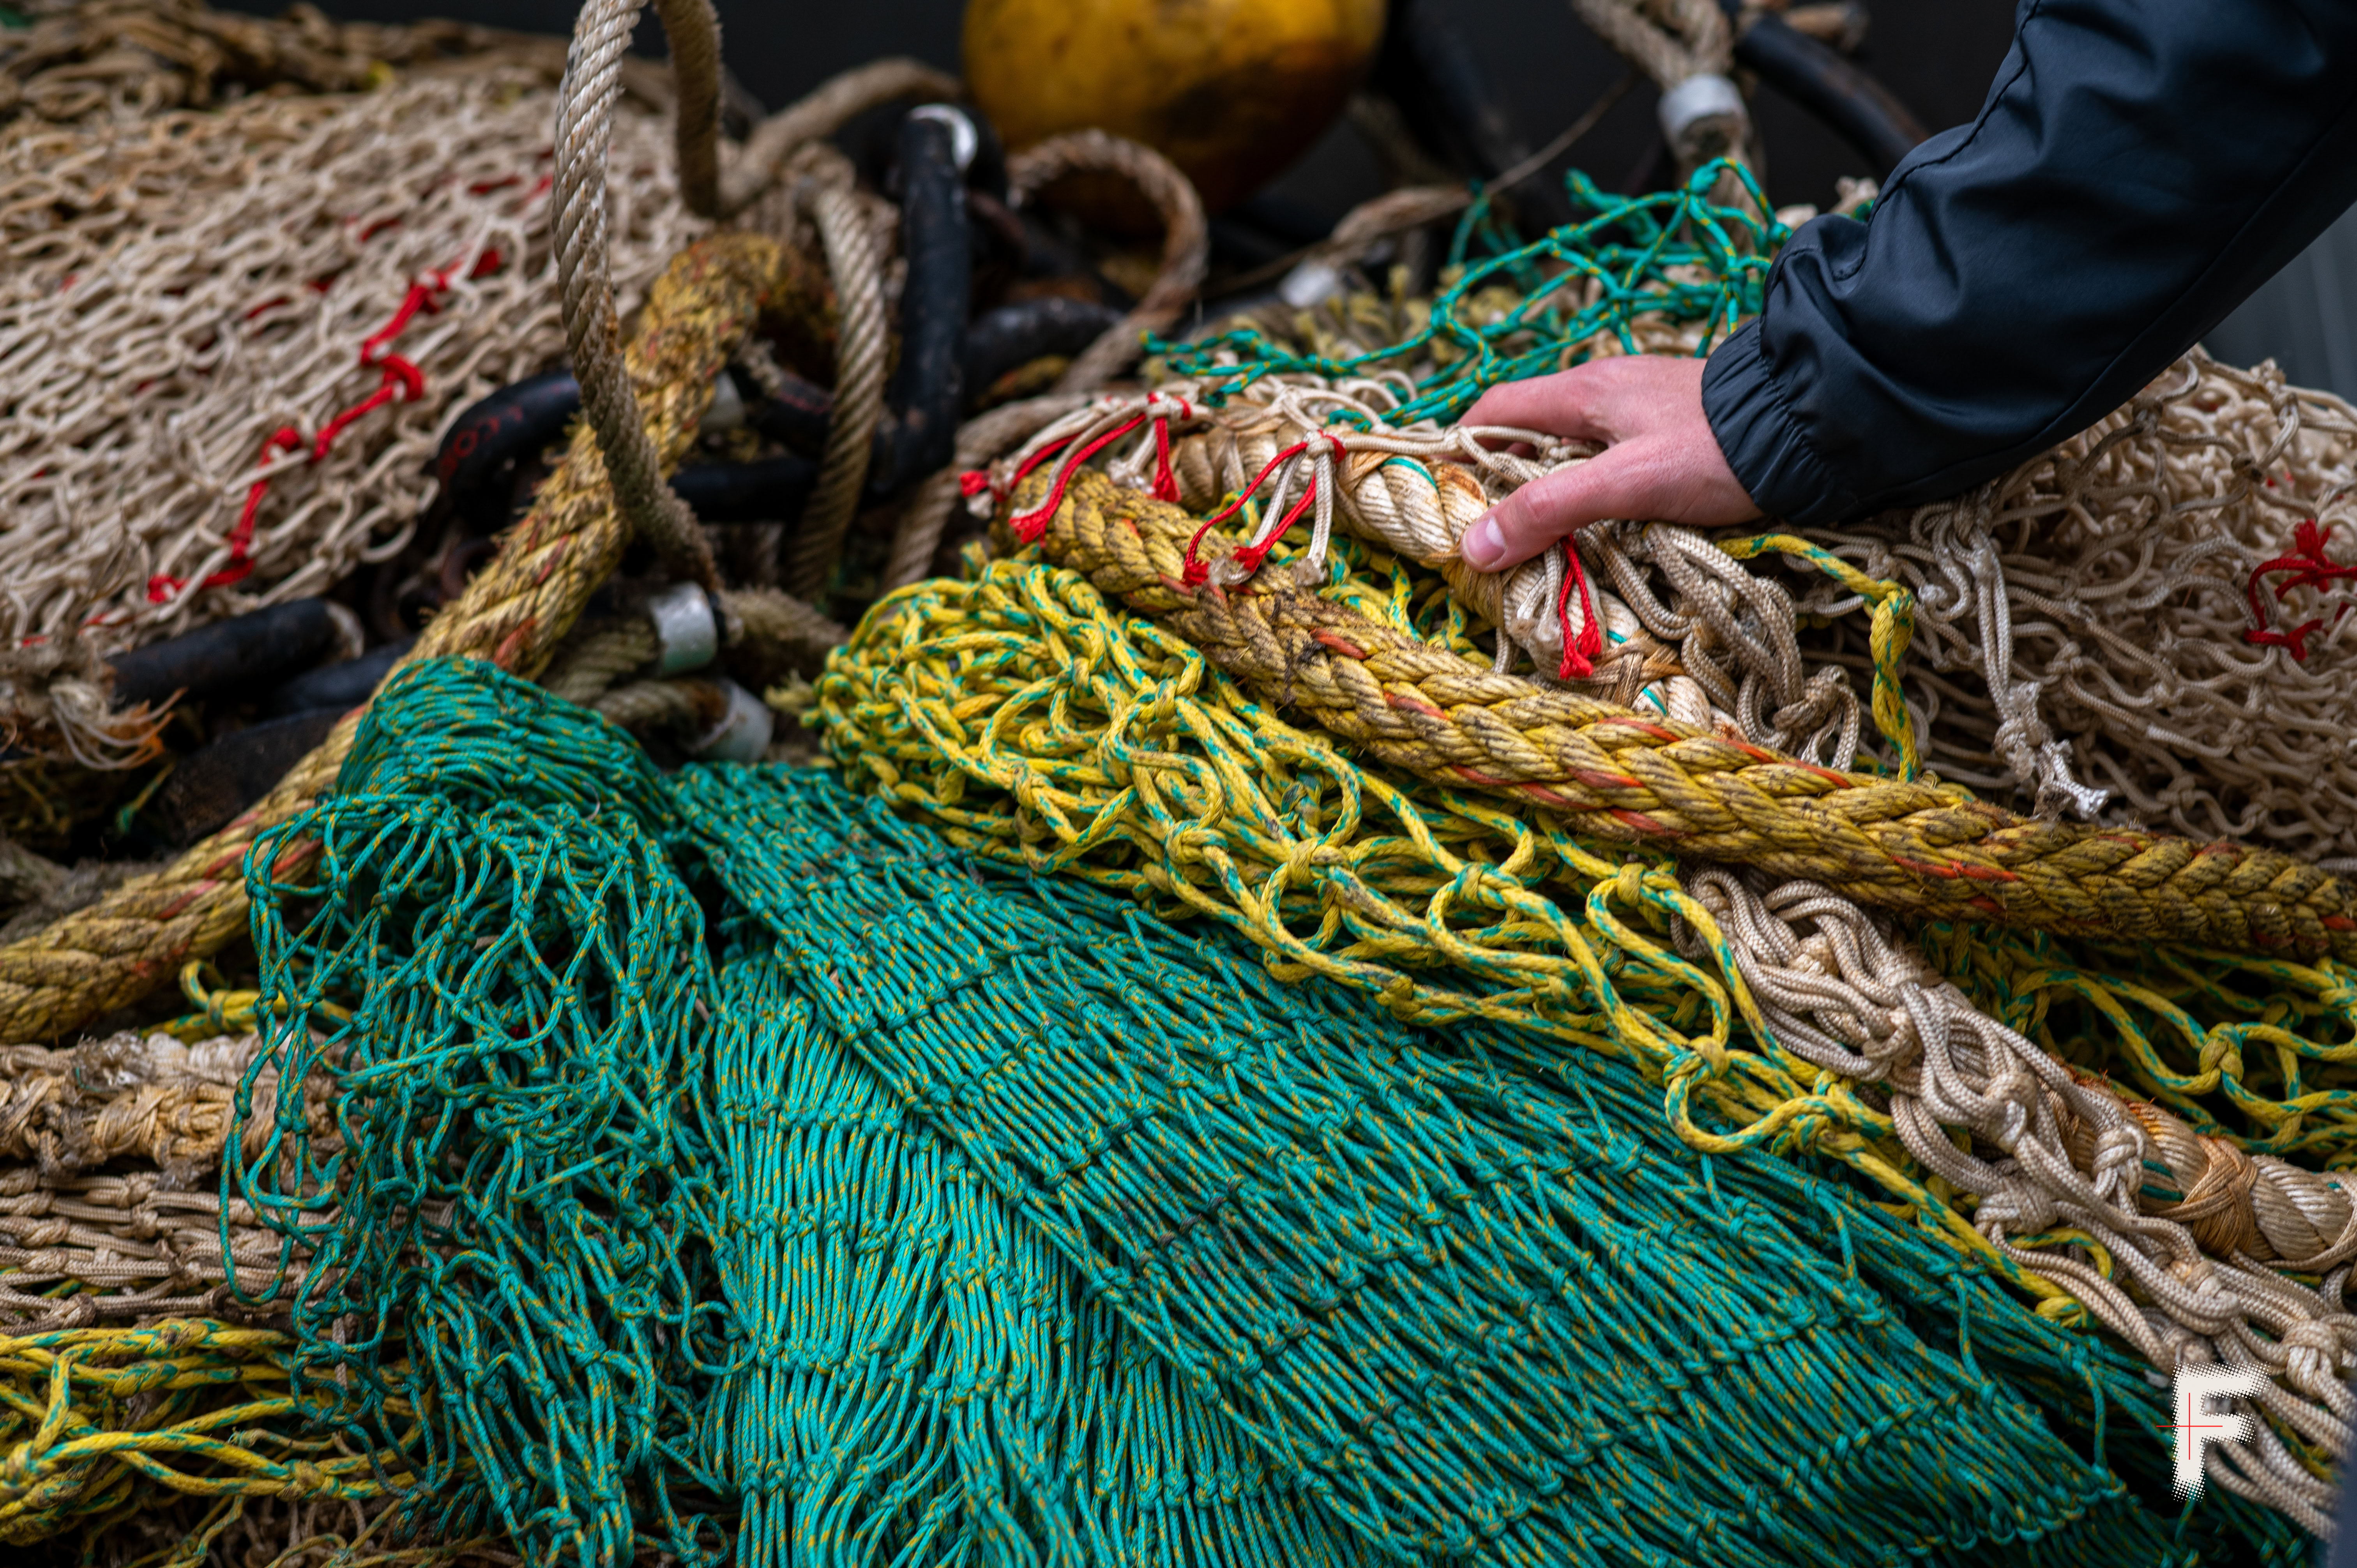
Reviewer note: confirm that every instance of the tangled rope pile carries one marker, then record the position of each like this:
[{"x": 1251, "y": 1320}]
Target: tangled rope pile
[
  {"x": 182, "y": 438},
  {"x": 1399, "y": 1281}
]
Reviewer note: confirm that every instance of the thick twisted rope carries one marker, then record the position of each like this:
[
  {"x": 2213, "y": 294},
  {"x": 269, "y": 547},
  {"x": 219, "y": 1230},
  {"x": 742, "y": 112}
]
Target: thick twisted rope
[
  {"x": 777, "y": 628},
  {"x": 514, "y": 612},
  {"x": 855, "y": 261},
  {"x": 1186, "y": 240},
  {"x": 1625, "y": 777},
  {"x": 585, "y": 125}
]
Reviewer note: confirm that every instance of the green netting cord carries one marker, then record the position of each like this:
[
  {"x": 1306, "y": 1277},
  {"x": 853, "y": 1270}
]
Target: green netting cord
[
  {"x": 1673, "y": 253},
  {"x": 730, "y": 1166}
]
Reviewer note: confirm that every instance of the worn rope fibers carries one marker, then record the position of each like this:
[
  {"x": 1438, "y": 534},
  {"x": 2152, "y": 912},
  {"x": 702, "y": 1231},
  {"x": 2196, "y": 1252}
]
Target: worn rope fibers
[{"x": 1459, "y": 1293}]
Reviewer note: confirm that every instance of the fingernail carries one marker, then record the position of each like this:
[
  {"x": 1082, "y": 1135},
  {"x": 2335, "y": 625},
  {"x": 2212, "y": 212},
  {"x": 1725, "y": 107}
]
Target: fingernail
[{"x": 1484, "y": 543}]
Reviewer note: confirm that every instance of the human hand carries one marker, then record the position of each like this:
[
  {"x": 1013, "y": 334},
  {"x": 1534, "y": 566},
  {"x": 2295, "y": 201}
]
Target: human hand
[{"x": 1661, "y": 462}]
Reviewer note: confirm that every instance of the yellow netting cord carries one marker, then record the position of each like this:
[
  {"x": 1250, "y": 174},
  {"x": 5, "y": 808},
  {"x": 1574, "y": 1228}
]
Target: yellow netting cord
[
  {"x": 97, "y": 1424},
  {"x": 1035, "y": 722}
]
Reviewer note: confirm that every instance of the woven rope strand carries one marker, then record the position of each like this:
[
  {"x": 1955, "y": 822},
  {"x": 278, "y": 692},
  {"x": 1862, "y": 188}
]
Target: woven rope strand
[{"x": 1899, "y": 845}]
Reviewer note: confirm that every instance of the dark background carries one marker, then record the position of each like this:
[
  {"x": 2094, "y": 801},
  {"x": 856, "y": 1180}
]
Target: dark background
[{"x": 1938, "y": 56}]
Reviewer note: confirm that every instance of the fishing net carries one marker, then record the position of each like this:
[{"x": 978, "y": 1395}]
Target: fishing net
[
  {"x": 2159, "y": 594},
  {"x": 1039, "y": 725},
  {"x": 229, "y": 342},
  {"x": 717, "y": 1165},
  {"x": 726, "y": 1152},
  {"x": 61, "y": 61}
]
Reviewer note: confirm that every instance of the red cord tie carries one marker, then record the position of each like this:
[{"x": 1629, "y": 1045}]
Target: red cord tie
[
  {"x": 1166, "y": 483},
  {"x": 1198, "y": 573},
  {"x": 1251, "y": 556},
  {"x": 1029, "y": 526},
  {"x": 2306, "y": 567},
  {"x": 401, "y": 381},
  {"x": 1580, "y": 652}
]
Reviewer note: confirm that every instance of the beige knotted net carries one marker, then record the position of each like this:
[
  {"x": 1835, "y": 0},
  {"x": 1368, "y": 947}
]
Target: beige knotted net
[
  {"x": 189, "y": 303},
  {"x": 2166, "y": 598}
]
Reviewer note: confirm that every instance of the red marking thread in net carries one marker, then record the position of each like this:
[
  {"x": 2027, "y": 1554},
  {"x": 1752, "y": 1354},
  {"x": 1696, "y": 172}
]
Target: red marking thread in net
[
  {"x": 162, "y": 588},
  {"x": 972, "y": 482},
  {"x": 401, "y": 381},
  {"x": 1197, "y": 574},
  {"x": 1166, "y": 483},
  {"x": 2306, "y": 567},
  {"x": 1580, "y": 654}
]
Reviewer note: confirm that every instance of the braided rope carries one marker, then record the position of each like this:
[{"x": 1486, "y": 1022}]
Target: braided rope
[
  {"x": 1900, "y": 846},
  {"x": 514, "y": 612}
]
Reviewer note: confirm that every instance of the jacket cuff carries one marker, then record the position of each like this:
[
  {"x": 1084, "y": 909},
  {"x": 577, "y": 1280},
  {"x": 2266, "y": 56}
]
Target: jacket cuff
[{"x": 1761, "y": 442}]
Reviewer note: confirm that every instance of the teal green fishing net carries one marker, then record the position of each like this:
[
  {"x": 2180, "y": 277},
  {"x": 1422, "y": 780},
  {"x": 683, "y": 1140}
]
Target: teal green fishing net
[
  {"x": 727, "y": 1169},
  {"x": 1680, "y": 256}
]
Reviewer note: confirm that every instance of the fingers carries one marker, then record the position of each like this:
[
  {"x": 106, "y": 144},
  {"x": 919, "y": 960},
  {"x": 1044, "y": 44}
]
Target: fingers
[
  {"x": 1547, "y": 509},
  {"x": 1672, "y": 475},
  {"x": 1561, "y": 404},
  {"x": 1603, "y": 400}
]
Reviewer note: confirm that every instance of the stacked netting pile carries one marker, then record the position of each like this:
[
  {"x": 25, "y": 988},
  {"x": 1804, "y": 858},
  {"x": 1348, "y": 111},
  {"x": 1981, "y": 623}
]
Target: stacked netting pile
[{"x": 724, "y": 1160}]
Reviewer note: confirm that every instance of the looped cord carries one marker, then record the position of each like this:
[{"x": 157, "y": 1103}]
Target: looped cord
[
  {"x": 1186, "y": 240},
  {"x": 854, "y": 264}
]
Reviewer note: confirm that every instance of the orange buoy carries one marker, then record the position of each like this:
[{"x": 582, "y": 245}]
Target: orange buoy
[{"x": 1231, "y": 90}]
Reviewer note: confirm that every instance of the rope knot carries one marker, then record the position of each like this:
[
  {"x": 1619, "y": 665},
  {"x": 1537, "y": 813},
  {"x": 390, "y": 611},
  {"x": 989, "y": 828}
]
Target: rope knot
[
  {"x": 2118, "y": 1162},
  {"x": 2020, "y": 1204},
  {"x": 1323, "y": 449},
  {"x": 2312, "y": 1357}
]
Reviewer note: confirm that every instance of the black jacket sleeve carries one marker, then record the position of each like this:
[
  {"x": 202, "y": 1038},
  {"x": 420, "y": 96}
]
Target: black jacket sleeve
[{"x": 2139, "y": 168}]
